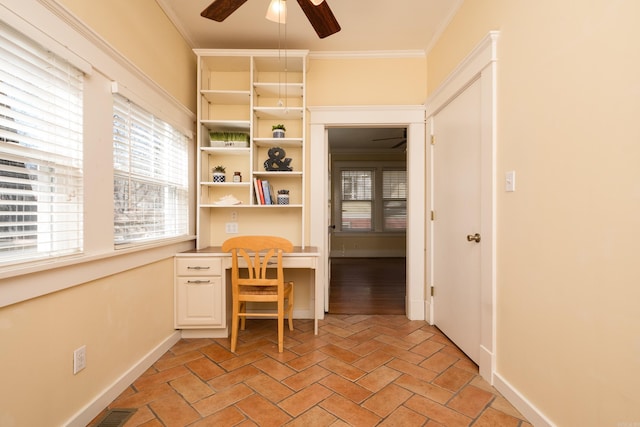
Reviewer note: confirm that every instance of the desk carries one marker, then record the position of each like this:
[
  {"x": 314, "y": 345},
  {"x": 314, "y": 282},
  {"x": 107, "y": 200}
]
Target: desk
[{"x": 201, "y": 288}]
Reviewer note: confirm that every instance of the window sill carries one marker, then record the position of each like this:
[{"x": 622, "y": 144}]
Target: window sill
[{"x": 30, "y": 280}]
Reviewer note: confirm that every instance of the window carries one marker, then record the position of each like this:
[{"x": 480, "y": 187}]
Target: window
[
  {"x": 394, "y": 199},
  {"x": 41, "y": 104},
  {"x": 372, "y": 199},
  {"x": 357, "y": 200},
  {"x": 150, "y": 179}
]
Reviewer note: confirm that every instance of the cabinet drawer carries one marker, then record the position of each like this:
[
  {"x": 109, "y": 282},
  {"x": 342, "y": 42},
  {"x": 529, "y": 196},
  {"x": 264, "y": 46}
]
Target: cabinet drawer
[{"x": 198, "y": 266}]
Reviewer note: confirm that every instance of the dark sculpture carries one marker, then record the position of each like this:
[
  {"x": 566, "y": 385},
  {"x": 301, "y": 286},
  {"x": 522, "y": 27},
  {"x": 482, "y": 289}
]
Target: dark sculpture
[{"x": 277, "y": 161}]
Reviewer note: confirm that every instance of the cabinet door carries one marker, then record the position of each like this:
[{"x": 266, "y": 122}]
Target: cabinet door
[{"x": 199, "y": 302}]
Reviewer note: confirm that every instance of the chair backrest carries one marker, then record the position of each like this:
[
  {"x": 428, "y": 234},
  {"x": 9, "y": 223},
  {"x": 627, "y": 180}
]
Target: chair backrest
[{"x": 258, "y": 253}]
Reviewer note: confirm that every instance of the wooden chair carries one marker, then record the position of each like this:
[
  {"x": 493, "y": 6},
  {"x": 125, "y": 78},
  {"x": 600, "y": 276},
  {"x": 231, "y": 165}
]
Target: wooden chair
[{"x": 252, "y": 257}]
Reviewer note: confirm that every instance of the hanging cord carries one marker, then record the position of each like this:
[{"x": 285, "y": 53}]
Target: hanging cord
[
  {"x": 286, "y": 65},
  {"x": 286, "y": 68},
  {"x": 279, "y": 59}
]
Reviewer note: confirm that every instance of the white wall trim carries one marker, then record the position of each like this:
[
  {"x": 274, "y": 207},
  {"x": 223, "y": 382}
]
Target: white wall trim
[
  {"x": 444, "y": 25},
  {"x": 108, "y": 395},
  {"x": 482, "y": 55},
  {"x": 367, "y": 54},
  {"x": 69, "y": 36},
  {"x": 521, "y": 403},
  {"x": 42, "y": 279},
  {"x": 104, "y": 57},
  {"x": 411, "y": 116}
]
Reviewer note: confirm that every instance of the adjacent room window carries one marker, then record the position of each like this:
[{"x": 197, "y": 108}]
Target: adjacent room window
[
  {"x": 394, "y": 199},
  {"x": 357, "y": 200},
  {"x": 41, "y": 104},
  {"x": 372, "y": 199},
  {"x": 151, "y": 192}
]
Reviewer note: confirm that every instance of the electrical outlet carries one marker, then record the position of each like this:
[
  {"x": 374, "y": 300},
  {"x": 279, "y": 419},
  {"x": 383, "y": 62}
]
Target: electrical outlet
[
  {"x": 79, "y": 359},
  {"x": 231, "y": 227},
  {"x": 234, "y": 215}
]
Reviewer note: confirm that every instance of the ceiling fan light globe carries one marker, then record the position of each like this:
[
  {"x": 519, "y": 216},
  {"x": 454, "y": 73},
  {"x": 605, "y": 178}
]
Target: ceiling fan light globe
[
  {"x": 277, "y": 11},
  {"x": 316, "y": 2}
]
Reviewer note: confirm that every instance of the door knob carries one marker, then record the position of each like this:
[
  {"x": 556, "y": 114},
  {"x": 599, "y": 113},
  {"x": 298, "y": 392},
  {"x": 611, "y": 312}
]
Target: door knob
[{"x": 473, "y": 237}]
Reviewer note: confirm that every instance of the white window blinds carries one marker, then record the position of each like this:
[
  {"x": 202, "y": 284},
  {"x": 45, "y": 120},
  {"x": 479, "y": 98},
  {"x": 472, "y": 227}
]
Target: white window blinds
[
  {"x": 394, "y": 196},
  {"x": 357, "y": 200},
  {"x": 151, "y": 192},
  {"x": 41, "y": 191}
]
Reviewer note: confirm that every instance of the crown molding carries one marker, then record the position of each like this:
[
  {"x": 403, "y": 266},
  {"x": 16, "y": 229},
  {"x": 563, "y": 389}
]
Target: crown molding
[{"x": 385, "y": 54}]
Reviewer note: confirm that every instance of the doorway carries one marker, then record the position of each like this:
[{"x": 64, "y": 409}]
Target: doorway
[
  {"x": 368, "y": 209},
  {"x": 367, "y": 286},
  {"x": 412, "y": 117}
]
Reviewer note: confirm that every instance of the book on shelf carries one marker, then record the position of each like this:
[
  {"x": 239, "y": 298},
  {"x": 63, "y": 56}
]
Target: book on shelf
[
  {"x": 266, "y": 192},
  {"x": 258, "y": 190}
]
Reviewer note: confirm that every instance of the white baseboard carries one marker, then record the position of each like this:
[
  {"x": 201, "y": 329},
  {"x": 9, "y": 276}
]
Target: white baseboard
[
  {"x": 526, "y": 408},
  {"x": 205, "y": 333},
  {"x": 415, "y": 309},
  {"x": 486, "y": 364},
  {"x": 93, "y": 409}
]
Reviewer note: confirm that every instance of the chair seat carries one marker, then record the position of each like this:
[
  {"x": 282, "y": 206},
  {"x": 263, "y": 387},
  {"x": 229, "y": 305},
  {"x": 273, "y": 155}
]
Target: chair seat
[{"x": 264, "y": 290}]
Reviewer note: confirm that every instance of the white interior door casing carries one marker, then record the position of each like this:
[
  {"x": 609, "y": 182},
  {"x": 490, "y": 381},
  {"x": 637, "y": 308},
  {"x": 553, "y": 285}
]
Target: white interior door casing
[
  {"x": 479, "y": 67},
  {"x": 411, "y": 116}
]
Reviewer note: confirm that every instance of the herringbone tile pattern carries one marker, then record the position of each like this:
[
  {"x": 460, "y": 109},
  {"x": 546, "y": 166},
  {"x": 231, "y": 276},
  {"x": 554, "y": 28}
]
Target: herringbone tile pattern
[{"x": 360, "y": 370}]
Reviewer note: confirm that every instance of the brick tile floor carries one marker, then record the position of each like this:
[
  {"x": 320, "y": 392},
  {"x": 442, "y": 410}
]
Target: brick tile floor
[{"x": 360, "y": 370}]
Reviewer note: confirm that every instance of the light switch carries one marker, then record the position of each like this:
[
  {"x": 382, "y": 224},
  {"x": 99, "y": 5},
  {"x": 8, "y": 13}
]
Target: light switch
[
  {"x": 231, "y": 227},
  {"x": 510, "y": 181}
]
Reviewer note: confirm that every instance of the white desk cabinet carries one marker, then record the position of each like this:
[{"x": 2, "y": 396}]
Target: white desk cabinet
[
  {"x": 203, "y": 289},
  {"x": 200, "y": 295}
]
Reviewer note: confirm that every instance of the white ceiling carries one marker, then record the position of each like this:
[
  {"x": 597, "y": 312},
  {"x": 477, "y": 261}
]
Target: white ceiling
[{"x": 367, "y": 25}]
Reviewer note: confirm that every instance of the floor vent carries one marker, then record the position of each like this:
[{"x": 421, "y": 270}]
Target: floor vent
[{"x": 116, "y": 418}]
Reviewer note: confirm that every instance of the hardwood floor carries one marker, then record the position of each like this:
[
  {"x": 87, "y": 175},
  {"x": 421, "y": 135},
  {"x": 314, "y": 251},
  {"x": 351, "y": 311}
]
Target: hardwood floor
[{"x": 367, "y": 286}]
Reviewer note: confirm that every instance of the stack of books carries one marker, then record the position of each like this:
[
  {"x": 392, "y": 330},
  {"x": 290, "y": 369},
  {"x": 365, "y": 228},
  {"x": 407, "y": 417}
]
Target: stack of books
[{"x": 263, "y": 192}]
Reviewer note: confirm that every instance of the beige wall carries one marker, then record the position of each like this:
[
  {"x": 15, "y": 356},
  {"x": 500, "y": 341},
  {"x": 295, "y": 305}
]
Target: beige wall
[
  {"x": 120, "y": 318},
  {"x": 568, "y": 94},
  {"x": 142, "y": 32},
  {"x": 366, "y": 81},
  {"x": 568, "y": 285}
]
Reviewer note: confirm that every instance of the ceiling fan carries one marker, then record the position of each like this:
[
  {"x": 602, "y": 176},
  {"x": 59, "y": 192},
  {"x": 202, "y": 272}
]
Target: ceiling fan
[
  {"x": 318, "y": 12},
  {"x": 402, "y": 139}
]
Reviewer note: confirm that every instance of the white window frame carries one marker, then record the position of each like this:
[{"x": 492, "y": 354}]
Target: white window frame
[
  {"x": 42, "y": 133},
  {"x": 148, "y": 152},
  {"x": 377, "y": 168},
  {"x": 70, "y": 38}
]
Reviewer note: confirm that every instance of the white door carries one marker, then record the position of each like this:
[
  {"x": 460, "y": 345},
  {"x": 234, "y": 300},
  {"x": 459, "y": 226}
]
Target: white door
[{"x": 456, "y": 201}]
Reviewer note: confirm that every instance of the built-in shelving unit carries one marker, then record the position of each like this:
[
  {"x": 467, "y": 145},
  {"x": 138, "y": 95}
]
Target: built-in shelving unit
[{"x": 249, "y": 91}]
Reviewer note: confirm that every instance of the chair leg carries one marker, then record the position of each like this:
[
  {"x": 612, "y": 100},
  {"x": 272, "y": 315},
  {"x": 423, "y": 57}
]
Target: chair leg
[
  {"x": 243, "y": 319},
  {"x": 234, "y": 328},
  {"x": 281, "y": 326},
  {"x": 290, "y": 308}
]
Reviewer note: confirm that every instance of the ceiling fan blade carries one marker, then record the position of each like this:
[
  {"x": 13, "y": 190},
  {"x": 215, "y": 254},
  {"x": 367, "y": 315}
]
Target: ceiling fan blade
[
  {"x": 219, "y": 10},
  {"x": 400, "y": 144},
  {"x": 388, "y": 139},
  {"x": 320, "y": 17}
]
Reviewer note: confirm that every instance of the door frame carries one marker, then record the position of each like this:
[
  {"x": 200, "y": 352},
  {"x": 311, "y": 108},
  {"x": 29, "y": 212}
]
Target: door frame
[
  {"x": 411, "y": 116},
  {"x": 480, "y": 65}
]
